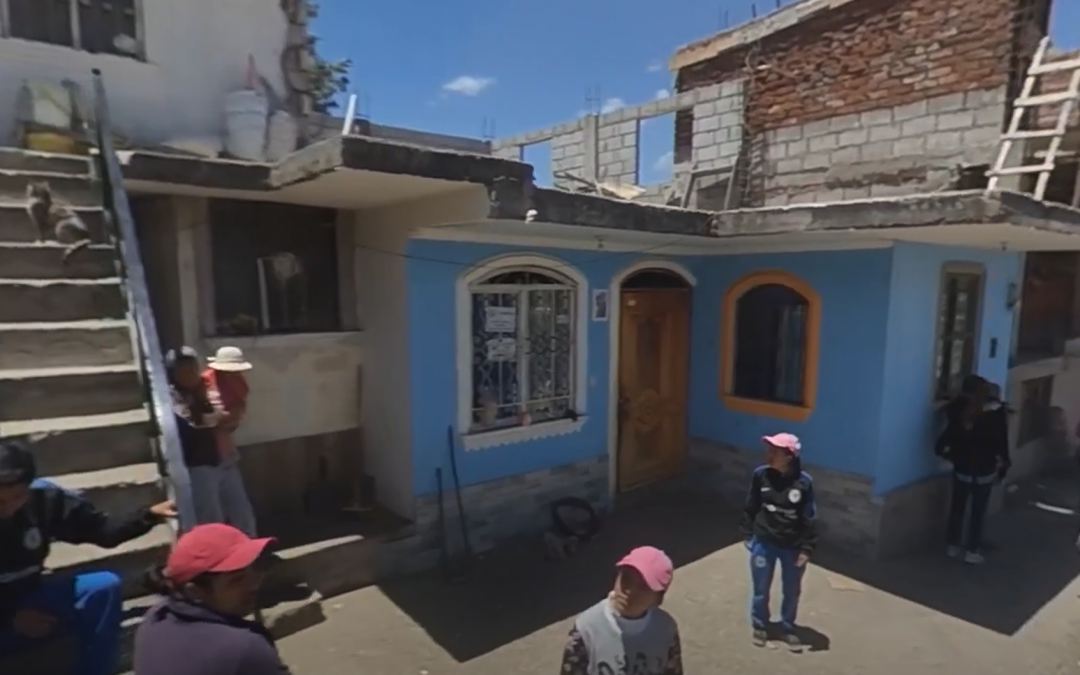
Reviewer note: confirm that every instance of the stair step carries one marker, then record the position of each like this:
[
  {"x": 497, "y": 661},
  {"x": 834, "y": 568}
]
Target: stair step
[
  {"x": 60, "y": 300},
  {"x": 16, "y": 159},
  {"x": 122, "y": 489},
  {"x": 15, "y": 224},
  {"x": 90, "y": 443},
  {"x": 95, "y": 342},
  {"x": 129, "y": 560},
  {"x": 46, "y": 261},
  {"x": 39, "y": 393},
  {"x": 66, "y": 188}
]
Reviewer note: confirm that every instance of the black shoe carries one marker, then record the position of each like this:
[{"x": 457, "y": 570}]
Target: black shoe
[
  {"x": 793, "y": 642},
  {"x": 760, "y": 637}
]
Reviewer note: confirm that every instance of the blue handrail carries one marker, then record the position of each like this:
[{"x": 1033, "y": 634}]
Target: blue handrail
[{"x": 141, "y": 315}]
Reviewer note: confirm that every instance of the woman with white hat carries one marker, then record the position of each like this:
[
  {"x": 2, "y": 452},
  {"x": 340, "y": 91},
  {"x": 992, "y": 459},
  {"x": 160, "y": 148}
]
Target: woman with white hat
[{"x": 218, "y": 486}]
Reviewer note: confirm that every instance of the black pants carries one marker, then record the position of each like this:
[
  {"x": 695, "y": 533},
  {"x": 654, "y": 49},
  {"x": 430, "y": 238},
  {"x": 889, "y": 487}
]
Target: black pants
[{"x": 978, "y": 494}]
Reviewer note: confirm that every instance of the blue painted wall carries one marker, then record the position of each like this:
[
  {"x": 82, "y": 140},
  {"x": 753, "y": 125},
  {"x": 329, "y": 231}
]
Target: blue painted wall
[
  {"x": 842, "y": 431},
  {"x": 873, "y": 410},
  {"x": 433, "y": 269},
  {"x": 907, "y": 421}
]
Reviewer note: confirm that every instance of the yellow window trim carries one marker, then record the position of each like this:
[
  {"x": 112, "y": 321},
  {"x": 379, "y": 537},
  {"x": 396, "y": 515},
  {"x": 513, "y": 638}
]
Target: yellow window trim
[{"x": 786, "y": 411}]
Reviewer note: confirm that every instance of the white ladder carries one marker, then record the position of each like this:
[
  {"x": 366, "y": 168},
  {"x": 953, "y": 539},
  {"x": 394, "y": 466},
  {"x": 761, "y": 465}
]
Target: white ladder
[{"x": 1067, "y": 99}]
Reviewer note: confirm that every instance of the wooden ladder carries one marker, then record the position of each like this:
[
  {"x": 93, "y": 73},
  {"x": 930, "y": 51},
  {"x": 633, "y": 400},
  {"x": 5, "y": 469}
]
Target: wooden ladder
[{"x": 1026, "y": 100}]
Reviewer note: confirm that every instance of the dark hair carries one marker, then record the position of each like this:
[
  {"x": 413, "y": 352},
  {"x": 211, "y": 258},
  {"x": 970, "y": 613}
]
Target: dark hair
[{"x": 155, "y": 581}]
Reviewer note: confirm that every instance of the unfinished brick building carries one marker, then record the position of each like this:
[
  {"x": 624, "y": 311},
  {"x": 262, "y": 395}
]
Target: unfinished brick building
[{"x": 850, "y": 99}]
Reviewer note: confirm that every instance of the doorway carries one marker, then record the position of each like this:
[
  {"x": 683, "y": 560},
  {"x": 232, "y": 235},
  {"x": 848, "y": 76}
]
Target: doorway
[{"x": 653, "y": 377}]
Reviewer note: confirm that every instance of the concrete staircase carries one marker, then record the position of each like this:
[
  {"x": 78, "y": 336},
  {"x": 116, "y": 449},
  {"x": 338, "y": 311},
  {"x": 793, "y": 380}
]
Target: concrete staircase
[{"x": 70, "y": 384}]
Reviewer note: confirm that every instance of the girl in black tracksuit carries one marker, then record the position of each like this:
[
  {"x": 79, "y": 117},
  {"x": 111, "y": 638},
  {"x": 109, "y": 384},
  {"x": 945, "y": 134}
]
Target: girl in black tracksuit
[{"x": 976, "y": 442}]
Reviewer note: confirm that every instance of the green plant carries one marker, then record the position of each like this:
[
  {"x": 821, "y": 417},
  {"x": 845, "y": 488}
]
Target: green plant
[{"x": 331, "y": 76}]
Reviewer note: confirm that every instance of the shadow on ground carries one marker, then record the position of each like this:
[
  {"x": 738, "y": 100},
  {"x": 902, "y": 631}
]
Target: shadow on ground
[
  {"x": 513, "y": 591},
  {"x": 1031, "y": 559}
]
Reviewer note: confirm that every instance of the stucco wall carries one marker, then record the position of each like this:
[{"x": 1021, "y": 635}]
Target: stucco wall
[
  {"x": 907, "y": 423},
  {"x": 842, "y": 429},
  {"x": 196, "y": 52},
  {"x": 432, "y": 269}
]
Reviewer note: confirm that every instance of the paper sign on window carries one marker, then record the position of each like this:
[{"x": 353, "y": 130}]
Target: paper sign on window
[
  {"x": 500, "y": 319},
  {"x": 501, "y": 349}
]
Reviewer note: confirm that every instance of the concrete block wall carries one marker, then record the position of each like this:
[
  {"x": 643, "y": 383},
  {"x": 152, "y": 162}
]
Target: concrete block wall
[
  {"x": 606, "y": 147},
  {"x": 892, "y": 151}
]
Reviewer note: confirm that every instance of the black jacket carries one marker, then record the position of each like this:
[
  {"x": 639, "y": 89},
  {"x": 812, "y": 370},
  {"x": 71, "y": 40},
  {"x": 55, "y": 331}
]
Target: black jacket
[
  {"x": 781, "y": 508},
  {"x": 178, "y": 637},
  {"x": 199, "y": 442},
  {"x": 977, "y": 447},
  {"x": 53, "y": 514}
]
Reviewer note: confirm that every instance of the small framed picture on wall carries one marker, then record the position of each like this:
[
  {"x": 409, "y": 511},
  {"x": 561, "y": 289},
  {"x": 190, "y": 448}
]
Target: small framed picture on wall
[{"x": 600, "y": 306}]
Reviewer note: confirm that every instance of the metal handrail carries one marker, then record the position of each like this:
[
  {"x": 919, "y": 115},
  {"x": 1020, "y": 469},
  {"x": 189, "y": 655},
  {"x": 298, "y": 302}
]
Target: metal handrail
[{"x": 141, "y": 315}]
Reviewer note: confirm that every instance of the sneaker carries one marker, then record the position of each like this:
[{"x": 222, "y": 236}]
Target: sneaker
[
  {"x": 974, "y": 558},
  {"x": 760, "y": 637},
  {"x": 955, "y": 552},
  {"x": 793, "y": 642}
]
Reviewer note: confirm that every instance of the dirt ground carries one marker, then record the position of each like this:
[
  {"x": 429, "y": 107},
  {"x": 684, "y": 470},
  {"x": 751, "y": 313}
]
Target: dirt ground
[{"x": 1018, "y": 613}]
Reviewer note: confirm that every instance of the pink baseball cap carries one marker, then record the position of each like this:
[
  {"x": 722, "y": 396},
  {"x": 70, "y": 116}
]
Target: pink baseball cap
[
  {"x": 786, "y": 441},
  {"x": 652, "y": 564}
]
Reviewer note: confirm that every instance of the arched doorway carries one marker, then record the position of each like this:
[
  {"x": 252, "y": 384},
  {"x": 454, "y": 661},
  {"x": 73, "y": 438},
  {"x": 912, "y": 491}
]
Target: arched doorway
[{"x": 653, "y": 376}]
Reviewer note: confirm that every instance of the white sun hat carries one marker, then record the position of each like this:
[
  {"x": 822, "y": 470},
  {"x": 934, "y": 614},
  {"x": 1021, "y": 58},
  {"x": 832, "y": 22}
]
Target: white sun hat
[{"x": 230, "y": 360}]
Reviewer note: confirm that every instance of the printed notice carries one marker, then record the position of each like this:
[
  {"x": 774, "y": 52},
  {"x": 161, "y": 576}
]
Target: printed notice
[
  {"x": 500, "y": 319},
  {"x": 501, "y": 349}
]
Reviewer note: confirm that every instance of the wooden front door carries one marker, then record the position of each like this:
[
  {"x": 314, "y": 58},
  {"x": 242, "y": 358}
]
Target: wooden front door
[{"x": 654, "y": 346}]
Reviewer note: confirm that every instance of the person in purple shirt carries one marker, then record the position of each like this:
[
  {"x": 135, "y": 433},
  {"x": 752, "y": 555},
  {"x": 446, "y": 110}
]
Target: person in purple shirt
[{"x": 209, "y": 585}]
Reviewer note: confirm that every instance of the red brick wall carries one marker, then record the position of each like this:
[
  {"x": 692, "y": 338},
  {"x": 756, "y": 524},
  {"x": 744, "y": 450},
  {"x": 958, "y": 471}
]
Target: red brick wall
[{"x": 866, "y": 55}]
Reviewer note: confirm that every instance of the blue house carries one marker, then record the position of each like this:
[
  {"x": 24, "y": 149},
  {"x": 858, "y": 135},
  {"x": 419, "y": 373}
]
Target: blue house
[{"x": 593, "y": 359}]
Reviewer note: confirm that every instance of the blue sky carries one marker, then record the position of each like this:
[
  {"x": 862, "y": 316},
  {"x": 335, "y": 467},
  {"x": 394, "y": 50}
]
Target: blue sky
[{"x": 476, "y": 67}]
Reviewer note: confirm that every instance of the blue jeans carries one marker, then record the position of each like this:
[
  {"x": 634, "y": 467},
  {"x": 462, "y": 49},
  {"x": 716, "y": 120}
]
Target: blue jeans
[
  {"x": 220, "y": 497},
  {"x": 89, "y": 605},
  {"x": 763, "y": 559}
]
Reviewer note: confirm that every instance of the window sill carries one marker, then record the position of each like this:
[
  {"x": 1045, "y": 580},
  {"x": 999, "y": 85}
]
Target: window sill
[
  {"x": 784, "y": 411},
  {"x": 483, "y": 440},
  {"x": 344, "y": 338}
]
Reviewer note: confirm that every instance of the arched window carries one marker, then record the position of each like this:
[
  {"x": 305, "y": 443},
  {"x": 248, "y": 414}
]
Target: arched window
[
  {"x": 522, "y": 338},
  {"x": 769, "y": 345}
]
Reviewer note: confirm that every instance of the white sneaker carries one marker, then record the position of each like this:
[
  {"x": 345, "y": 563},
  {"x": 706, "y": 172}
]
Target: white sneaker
[
  {"x": 955, "y": 551},
  {"x": 973, "y": 558}
]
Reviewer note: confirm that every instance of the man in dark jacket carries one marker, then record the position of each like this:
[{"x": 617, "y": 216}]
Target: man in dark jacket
[
  {"x": 976, "y": 442},
  {"x": 779, "y": 526},
  {"x": 33, "y": 514}
]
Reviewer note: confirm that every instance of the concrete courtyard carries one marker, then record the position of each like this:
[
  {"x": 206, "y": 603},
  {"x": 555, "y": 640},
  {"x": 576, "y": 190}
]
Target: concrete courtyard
[{"x": 1018, "y": 613}]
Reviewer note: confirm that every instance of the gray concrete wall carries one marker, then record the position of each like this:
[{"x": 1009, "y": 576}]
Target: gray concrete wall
[
  {"x": 606, "y": 147},
  {"x": 908, "y": 149}
]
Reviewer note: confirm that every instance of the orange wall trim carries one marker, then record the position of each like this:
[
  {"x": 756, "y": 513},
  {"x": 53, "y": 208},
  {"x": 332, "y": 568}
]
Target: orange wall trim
[{"x": 785, "y": 411}]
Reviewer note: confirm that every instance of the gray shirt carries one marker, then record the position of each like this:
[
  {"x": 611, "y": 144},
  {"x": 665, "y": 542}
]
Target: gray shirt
[{"x": 603, "y": 643}]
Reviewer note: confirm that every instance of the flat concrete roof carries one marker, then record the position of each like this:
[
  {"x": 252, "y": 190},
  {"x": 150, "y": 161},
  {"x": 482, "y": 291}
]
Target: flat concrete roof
[
  {"x": 393, "y": 170},
  {"x": 1007, "y": 220}
]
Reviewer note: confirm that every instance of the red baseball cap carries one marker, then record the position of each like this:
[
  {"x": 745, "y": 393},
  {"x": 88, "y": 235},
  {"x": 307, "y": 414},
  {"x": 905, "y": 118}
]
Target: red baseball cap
[
  {"x": 212, "y": 548},
  {"x": 652, "y": 564}
]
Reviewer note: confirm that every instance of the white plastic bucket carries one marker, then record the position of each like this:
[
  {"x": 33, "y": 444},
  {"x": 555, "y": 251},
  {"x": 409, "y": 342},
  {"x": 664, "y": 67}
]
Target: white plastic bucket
[
  {"x": 281, "y": 136},
  {"x": 245, "y": 124}
]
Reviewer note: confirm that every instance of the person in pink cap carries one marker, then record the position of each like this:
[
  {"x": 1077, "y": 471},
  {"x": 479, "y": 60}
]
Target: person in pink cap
[
  {"x": 778, "y": 526},
  {"x": 627, "y": 632}
]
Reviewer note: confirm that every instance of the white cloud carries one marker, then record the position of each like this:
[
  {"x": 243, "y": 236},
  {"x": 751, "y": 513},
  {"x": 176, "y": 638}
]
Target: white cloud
[
  {"x": 612, "y": 104},
  {"x": 468, "y": 85},
  {"x": 664, "y": 162},
  {"x": 654, "y": 67},
  {"x": 662, "y": 94}
]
